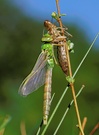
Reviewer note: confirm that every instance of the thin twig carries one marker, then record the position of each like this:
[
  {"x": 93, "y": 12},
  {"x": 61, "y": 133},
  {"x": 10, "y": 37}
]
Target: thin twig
[
  {"x": 66, "y": 111},
  {"x": 94, "y": 129},
  {"x": 70, "y": 73},
  {"x": 83, "y": 124}
]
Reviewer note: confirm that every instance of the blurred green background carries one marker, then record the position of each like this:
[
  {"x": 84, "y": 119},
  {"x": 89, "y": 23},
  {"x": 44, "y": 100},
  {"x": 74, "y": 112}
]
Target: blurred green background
[{"x": 20, "y": 45}]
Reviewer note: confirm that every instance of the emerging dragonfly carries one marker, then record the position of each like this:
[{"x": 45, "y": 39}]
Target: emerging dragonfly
[
  {"x": 42, "y": 71},
  {"x": 40, "y": 75}
]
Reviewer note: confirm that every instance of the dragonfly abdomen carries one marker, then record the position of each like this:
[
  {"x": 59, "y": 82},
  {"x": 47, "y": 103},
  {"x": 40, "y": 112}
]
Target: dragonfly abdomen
[{"x": 47, "y": 95}]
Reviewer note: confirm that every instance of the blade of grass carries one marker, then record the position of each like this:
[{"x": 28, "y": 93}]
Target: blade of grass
[
  {"x": 5, "y": 121},
  {"x": 3, "y": 125},
  {"x": 85, "y": 55}
]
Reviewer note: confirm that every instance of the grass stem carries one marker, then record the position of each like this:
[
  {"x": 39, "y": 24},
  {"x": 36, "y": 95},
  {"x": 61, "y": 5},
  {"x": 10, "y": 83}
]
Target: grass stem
[{"x": 70, "y": 70}]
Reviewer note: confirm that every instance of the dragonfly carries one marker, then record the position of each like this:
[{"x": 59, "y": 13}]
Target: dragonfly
[{"x": 41, "y": 75}]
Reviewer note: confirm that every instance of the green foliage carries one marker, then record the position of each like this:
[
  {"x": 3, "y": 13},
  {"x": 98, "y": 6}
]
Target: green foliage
[{"x": 20, "y": 45}]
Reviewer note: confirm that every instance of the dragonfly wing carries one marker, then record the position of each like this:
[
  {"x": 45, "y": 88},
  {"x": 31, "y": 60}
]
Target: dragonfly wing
[{"x": 37, "y": 76}]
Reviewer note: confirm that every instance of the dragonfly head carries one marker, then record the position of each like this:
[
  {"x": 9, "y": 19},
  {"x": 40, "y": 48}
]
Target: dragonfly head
[{"x": 47, "y": 24}]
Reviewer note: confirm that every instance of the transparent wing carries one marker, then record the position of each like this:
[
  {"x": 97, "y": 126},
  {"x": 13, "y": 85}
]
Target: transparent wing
[{"x": 37, "y": 76}]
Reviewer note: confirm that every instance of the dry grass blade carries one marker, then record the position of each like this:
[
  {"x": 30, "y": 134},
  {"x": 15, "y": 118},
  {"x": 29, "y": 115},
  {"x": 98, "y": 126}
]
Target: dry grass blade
[
  {"x": 2, "y": 131},
  {"x": 94, "y": 129},
  {"x": 22, "y": 128},
  {"x": 83, "y": 124}
]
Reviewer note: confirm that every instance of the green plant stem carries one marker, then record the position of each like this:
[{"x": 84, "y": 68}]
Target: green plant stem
[{"x": 67, "y": 110}]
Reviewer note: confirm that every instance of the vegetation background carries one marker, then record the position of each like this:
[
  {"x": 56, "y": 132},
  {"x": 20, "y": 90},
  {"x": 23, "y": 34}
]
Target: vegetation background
[{"x": 20, "y": 45}]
